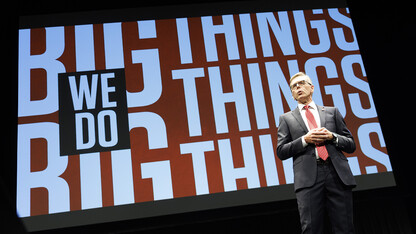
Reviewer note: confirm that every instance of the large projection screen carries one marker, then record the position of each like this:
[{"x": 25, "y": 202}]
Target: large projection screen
[{"x": 135, "y": 113}]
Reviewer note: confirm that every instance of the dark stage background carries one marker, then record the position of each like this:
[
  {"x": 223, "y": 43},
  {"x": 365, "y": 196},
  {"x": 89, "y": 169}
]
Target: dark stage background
[{"x": 385, "y": 35}]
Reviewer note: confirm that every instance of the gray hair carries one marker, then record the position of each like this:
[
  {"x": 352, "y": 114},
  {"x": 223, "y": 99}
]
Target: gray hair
[{"x": 308, "y": 79}]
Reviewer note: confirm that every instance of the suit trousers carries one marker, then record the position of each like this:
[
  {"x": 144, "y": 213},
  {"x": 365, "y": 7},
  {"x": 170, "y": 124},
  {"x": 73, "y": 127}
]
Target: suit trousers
[{"x": 327, "y": 196}]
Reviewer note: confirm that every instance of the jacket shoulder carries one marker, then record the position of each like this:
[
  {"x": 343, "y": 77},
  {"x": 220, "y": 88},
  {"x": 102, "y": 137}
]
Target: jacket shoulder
[
  {"x": 286, "y": 115},
  {"x": 329, "y": 108}
]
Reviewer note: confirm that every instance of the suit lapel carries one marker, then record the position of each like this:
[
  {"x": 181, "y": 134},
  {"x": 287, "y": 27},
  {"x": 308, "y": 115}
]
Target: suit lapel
[
  {"x": 321, "y": 111},
  {"x": 298, "y": 117}
]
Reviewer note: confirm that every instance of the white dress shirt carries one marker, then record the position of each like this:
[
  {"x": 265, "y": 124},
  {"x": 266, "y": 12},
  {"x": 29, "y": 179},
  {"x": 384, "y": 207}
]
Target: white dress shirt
[{"x": 314, "y": 111}]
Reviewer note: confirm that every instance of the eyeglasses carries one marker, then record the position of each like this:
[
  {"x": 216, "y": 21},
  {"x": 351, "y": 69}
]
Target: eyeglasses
[{"x": 300, "y": 84}]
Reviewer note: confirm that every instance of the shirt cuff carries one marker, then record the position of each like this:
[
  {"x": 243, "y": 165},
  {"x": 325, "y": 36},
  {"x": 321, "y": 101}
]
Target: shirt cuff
[{"x": 304, "y": 144}]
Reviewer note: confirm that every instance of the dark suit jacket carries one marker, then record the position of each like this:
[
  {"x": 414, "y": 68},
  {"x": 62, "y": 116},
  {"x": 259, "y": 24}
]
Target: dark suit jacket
[{"x": 289, "y": 144}]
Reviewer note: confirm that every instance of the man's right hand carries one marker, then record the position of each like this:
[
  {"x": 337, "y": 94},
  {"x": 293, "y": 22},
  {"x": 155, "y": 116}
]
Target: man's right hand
[{"x": 316, "y": 136}]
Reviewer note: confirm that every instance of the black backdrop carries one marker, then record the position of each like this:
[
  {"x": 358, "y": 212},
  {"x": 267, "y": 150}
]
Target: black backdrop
[{"x": 384, "y": 34}]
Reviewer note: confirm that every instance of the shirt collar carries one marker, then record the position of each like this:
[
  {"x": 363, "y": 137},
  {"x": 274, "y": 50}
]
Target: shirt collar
[{"x": 312, "y": 105}]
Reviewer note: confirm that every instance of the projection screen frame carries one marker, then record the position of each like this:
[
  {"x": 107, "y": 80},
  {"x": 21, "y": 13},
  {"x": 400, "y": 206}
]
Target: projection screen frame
[{"x": 182, "y": 204}]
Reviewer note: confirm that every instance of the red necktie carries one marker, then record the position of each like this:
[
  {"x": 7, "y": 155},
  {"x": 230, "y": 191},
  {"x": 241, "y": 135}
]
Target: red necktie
[{"x": 322, "y": 152}]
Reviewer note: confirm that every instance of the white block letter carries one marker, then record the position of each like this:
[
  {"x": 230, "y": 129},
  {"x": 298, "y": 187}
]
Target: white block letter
[
  {"x": 58, "y": 189},
  {"x": 197, "y": 150}
]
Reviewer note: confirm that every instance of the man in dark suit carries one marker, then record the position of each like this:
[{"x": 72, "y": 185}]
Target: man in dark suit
[{"x": 315, "y": 137}]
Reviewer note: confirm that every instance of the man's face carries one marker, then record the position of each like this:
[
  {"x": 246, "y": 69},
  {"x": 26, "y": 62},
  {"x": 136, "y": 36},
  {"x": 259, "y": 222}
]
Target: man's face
[{"x": 302, "y": 90}]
